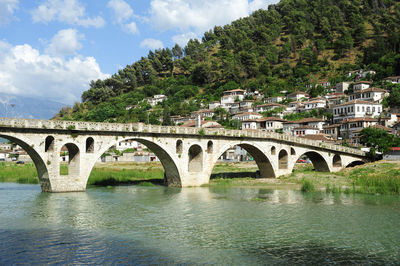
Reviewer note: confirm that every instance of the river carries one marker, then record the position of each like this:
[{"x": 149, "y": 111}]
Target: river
[{"x": 191, "y": 226}]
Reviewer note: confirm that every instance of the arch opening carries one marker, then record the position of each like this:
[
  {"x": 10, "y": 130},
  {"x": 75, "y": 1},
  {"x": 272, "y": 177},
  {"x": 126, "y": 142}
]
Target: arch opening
[
  {"x": 70, "y": 160},
  {"x": 250, "y": 157},
  {"x": 318, "y": 162},
  {"x": 210, "y": 145},
  {"x": 292, "y": 151},
  {"x": 355, "y": 163},
  {"x": 195, "y": 159},
  {"x": 337, "y": 161},
  {"x": 273, "y": 150},
  {"x": 141, "y": 157},
  {"x": 283, "y": 159},
  {"x": 49, "y": 144},
  {"x": 40, "y": 165},
  {"x": 90, "y": 145},
  {"x": 179, "y": 146}
]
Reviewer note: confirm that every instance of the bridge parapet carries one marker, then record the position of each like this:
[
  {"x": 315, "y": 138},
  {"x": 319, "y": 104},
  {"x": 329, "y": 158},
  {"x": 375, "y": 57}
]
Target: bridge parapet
[{"x": 140, "y": 127}]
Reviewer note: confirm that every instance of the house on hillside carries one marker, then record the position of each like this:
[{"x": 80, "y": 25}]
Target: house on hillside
[
  {"x": 268, "y": 107},
  {"x": 246, "y": 116},
  {"x": 355, "y": 109},
  {"x": 275, "y": 99},
  {"x": 298, "y": 96},
  {"x": 370, "y": 95},
  {"x": 341, "y": 87},
  {"x": 394, "y": 80},
  {"x": 264, "y": 123},
  {"x": 350, "y": 128},
  {"x": 317, "y": 123},
  {"x": 232, "y": 96},
  {"x": 361, "y": 85}
]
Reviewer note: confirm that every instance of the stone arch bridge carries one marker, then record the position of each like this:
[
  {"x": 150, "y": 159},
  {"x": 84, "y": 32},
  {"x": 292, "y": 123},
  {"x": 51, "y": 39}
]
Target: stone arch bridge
[{"x": 188, "y": 155}]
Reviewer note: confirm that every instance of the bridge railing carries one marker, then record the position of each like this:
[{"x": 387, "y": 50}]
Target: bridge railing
[{"x": 140, "y": 127}]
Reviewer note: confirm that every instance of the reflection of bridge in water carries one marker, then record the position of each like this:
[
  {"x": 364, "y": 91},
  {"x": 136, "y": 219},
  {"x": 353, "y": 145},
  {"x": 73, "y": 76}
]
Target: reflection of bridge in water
[{"x": 188, "y": 155}]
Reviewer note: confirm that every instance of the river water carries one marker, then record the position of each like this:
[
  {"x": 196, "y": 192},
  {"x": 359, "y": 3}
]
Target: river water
[{"x": 191, "y": 226}]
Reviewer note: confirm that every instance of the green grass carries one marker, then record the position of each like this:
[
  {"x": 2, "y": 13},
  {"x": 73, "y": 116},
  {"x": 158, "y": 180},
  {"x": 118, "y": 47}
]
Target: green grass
[
  {"x": 307, "y": 185},
  {"x": 115, "y": 176}
]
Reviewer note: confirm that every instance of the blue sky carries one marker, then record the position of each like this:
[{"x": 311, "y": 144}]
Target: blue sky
[{"x": 54, "y": 48}]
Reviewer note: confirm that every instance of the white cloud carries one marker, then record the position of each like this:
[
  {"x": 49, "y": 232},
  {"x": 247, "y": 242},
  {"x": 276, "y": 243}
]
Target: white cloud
[
  {"x": 122, "y": 14},
  {"x": 7, "y": 9},
  {"x": 65, "y": 11},
  {"x": 182, "y": 39},
  {"x": 151, "y": 44},
  {"x": 65, "y": 42},
  {"x": 200, "y": 16},
  {"x": 24, "y": 71},
  {"x": 122, "y": 10},
  {"x": 131, "y": 28}
]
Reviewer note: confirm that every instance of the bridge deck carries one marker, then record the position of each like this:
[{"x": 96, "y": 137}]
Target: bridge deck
[{"x": 141, "y": 128}]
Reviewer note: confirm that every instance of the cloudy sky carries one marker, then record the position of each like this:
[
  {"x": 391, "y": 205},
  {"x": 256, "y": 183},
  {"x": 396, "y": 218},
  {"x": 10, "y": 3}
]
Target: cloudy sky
[{"x": 54, "y": 48}]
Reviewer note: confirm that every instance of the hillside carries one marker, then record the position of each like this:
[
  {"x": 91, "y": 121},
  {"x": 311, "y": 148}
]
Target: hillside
[{"x": 286, "y": 47}]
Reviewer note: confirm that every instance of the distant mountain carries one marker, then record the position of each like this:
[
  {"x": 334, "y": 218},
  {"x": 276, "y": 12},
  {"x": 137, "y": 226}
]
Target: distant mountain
[{"x": 27, "y": 107}]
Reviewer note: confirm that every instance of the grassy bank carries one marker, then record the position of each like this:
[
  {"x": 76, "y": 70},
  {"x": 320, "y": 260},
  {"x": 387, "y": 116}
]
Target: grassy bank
[{"x": 377, "y": 178}]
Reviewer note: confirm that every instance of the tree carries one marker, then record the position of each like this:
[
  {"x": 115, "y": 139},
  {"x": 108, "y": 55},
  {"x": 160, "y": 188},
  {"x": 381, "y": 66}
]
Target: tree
[
  {"x": 166, "y": 117},
  {"x": 377, "y": 140}
]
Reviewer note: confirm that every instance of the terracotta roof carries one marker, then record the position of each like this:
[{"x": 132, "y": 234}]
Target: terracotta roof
[
  {"x": 271, "y": 104},
  {"x": 331, "y": 126},
  {"x": 271, "y": 118},
  {"x": 359, "y": 119},
  {"x": 362, "y": 82},
  {"x": 247, "y": 113},
  {"x": 298, "y": 92},
  {"x": 235, "y": 90},
  {"x": 356, "y": 102},
  {"x": 306, "y": 120},
  {"x": 372, "y": 89},
  {"x": 392, "y": 78},
  {"x": 387, "y": 129},
  {"x": 320, "y": 137}
]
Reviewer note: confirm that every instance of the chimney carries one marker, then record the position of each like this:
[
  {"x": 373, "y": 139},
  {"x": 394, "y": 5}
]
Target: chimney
[{"x": 198, "y": 120}]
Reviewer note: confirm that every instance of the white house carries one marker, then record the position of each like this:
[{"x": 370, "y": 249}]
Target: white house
[
  {"x": 203, "y": 113},
  {"x": 342, "y": 86},
  {"x": 214, "y": 104},
  {"x": 268, "y": 107},
  {"x": 355, "y": 109},
  {"x": 276, "y": 99},
  {"x": 127, "y": 144},
  {"x": 317, "y": 123},
  {"x": 294, "y": 107},
  {"x": 246, "y": 116},
  {"x": 232, "y": 96},
  {"x": 349, "y": 128},
  {"x": 314, "y": 104},
  {"x": 298, "y": 96},
  {"x": 394, "y": 80},
  {"x": 361, "y": 85},
  {"x": 370, "y": 95},
  {"x": 305, "y": 130},
  {"x": 156, "y": 99},
  {"x": 264, "y": 123}
]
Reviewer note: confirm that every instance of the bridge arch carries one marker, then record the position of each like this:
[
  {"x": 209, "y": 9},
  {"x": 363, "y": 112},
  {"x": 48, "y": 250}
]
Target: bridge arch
[
  {"x": 73, "y": 159},
  {"x": 355, "y": 163},
  {"x": 195, "y": 154},
  {"x": 172, "y": 176},
  {"x": 49, "y": 144},
  {"x": 283, "y": 159},
  {"x": 37, "y": 159},
  {"x": 318, "y": 161},
  {"x": 260, "y": 157},
  {"x": 89, "y": 145},
  {"x": 337, "y": 161}
]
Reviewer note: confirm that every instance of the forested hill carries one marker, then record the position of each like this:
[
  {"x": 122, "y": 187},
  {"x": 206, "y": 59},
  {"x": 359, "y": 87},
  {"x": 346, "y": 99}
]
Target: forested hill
[{"x": 290, "y": 45}]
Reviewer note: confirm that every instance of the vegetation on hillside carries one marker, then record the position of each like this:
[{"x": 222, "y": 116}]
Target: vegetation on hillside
[{"x": 286, "y": 47}]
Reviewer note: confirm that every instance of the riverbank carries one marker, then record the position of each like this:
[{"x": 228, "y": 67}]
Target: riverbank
[{"x": 376, "y": 178}]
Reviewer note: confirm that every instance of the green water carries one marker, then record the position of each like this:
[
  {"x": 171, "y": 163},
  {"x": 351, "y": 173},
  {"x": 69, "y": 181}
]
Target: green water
[{"x": 159, "y": 225}]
